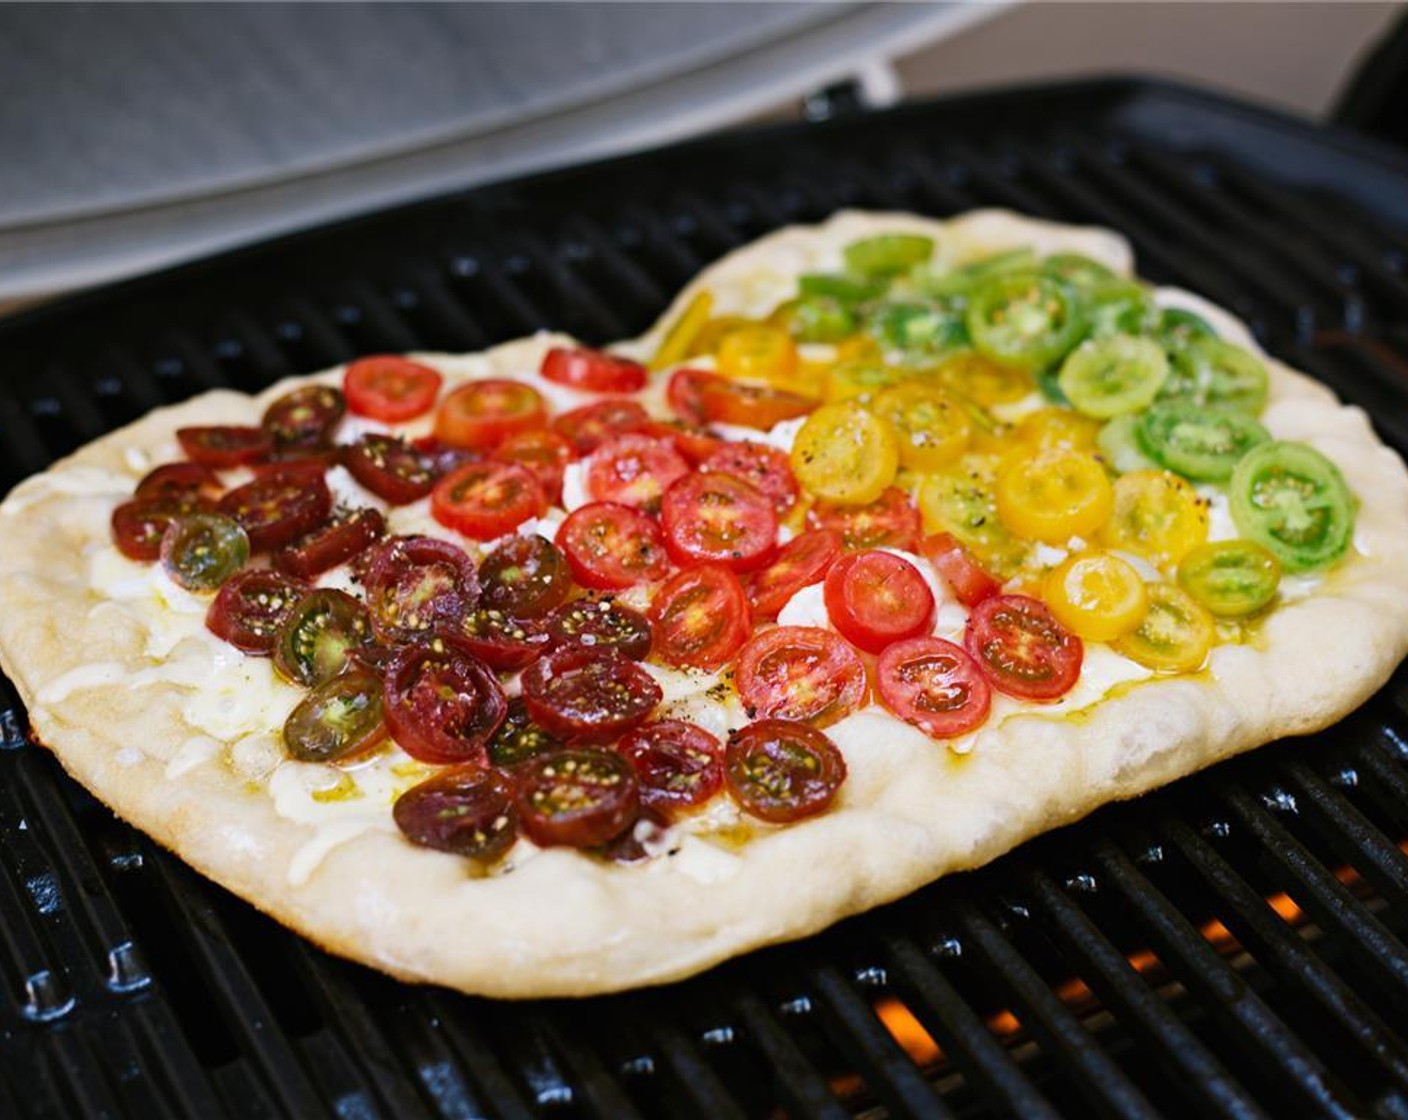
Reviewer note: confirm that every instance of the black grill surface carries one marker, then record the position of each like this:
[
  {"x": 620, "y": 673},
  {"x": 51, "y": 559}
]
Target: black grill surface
[{"x": 1231, "y": 946}]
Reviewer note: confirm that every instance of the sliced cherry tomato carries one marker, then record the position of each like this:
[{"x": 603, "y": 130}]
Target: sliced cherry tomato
[
  {"x": 1230, "y": 578},
  {"x": 758, "y": 353},
  {"x": 278, "y": 507},
  {"x": 586, "y": 428},
  {"x": 782, "y": 771},
  {"x": 685, "y": 393},
  {"x": 340, "y": 718},
  {"x": 375, "y": 655},
  {"x": 644, "y": 839},
  {"x": 442, "y": 703},
  {"x": 845, "y": 454},
  {"x": 592, "y": 370},
  {"x": 525, "y": 576},
  {"x": 1057, "y": 429},
  {"x": 711, "y": 333},
  {"x": 320, "y": 636},
  {"x": 718, "y": 517},
  {"x": 634, "y": 470},
  {"x": 200, "y": 551},
  {"x": 961, "y": 501},
  {"x": 225, "y": 446},
  {"x": 1174, "y": 635},
  {"x": 518, "y": 738},
  {"x": 971, "y": 584},
  {"x": 1053, "y": 495},
  {"x": 694, "y": 443},
  {"x": 800, "y": 673},
  {"x": 814, "y": 318},
  {"x": 312, "y": 462},
  {"x": 1202, "y": 444},
  {"x": 961, "y": 281},
  {"x": 935, "y": 685},
  {"x": 1119, "y": 306},
  {"x": 678, "y": 764},
  {"x": 803, "y": 560},
  {"x": 1023, "y": 650},
  {"x": 1113, "y": 375},
  {"x": 440, "y": 458},
  {"x": 138, "y": 525},
  {"x": 250, "y": 608},
  {"x": 767, "y": 469},
  {"x": 860, "y": 379},
  {"x": 390, "y": 468},
  {"x": 486, "y": 500},
  {"x": 588, "y": 695},
  {"x": 887, "y": 254},
  {"x": 1176, "y": 328},
  {"x": 601, "y": 624},
  {"x": 1077, "y": 270},
  {"x": 982, "y": 380},
  {"x": 611, "y": 547},
  {"x": 1212, "y": 373},
  {"x": 390, "y": 389},
  {"x": 1156, "y": 514},
  {"x": 1291, "y": 500},
  {"x": 543, "y": 452},
  {"x": 875, "y": 598},
  {"x": 847, "y": 290},
  {"x": 915, "y": 331},
  {"x": 481, "y": 414},
  {"x": 182, "y": 482},
  {"x": 1024, "y": 319},
  {"x": 334, "y": 543},
  {"x": 890, "y": 521},
  {"x": 1119, "y": 445},
  {"x": 700, "y": 617},
  {"x": 932, "y": 426},
  {"x": 1096, "y": 595},
  {"x": 467, "y": 811},
  {"x": 415, "y": 584},
  {"x": 750, "y": 406},
  {"x": 500, "y": 640},
  {"x": 579, "y": 798},
  {"x": 305, "y": 417},
  {"x": 860, "y": 347}
]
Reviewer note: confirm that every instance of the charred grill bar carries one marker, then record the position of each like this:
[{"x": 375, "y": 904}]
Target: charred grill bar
[{"x": 1233, "y": 946}]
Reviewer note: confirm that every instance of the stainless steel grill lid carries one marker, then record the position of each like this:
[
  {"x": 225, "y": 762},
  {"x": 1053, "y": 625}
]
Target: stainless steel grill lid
[{"x": 137, "y": 135}]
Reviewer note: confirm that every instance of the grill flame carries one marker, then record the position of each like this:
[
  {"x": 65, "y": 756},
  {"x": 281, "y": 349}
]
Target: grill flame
[{"x": 927, "y": 1054}]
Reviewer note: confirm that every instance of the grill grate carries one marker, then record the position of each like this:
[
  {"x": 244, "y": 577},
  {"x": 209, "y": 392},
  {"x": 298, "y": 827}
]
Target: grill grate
[{"x": 1234, "y": 946}]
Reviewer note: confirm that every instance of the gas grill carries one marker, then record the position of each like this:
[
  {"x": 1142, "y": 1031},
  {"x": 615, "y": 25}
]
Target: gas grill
[{"x": 1234, "y": 945}]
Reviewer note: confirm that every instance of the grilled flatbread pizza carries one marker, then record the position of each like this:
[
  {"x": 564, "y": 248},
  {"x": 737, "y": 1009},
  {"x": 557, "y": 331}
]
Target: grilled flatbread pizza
[{"x": 555, "y": 671}]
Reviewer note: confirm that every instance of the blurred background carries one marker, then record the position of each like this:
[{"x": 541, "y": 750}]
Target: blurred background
[{"x": 135, "y": 136}]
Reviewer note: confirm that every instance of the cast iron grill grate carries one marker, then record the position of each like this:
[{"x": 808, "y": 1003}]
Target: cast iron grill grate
[{"x": 1232, "y": 946}]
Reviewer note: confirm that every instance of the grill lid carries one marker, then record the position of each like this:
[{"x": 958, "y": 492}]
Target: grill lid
[
  {"x": 1231, "y": 946},
  {"x": 335, "y": 110}
]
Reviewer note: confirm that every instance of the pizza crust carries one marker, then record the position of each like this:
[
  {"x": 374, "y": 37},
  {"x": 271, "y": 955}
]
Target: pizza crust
[{"x": 565, "y": 924}]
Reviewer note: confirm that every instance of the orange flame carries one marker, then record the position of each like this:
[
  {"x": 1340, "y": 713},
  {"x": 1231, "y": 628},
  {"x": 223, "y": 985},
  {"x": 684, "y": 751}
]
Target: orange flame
[
  {"x": 919, "y": 1044},
  {"x": 905, "y": 1029}
]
